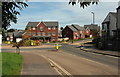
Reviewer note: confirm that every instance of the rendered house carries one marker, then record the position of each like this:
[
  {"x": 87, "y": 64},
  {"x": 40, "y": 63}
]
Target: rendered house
[
  {"x": 73, "y": 32},
  {"x": 118, "y": 20},
  {"x": 44, "y": 31},
  {"x": 109, "y": 24},
  {"x": 91, "y": 30}
]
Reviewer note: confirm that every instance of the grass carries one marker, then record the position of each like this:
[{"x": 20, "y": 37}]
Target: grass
[{"x": 11, "y": 63}]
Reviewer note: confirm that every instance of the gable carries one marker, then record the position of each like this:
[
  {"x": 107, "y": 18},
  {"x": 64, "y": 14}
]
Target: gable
[{"x": 107, "y": 19}]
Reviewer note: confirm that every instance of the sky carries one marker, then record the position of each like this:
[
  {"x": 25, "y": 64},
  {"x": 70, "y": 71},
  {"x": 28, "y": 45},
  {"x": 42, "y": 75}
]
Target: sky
[{"x": 63, "y": 13}]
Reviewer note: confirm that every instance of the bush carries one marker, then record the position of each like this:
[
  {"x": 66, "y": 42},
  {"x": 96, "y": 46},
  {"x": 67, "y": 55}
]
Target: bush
[{"x": 30, "y": 43}]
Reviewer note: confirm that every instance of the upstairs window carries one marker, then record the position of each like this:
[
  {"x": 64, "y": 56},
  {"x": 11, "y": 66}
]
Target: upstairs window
[
  {"x": 53, "y": 33},
  {"x": 53, "y": 28},
  {"x": 41, "y": 28},
  {"x": 49, "y": 28},
  {"x": 33, "y": 28}
]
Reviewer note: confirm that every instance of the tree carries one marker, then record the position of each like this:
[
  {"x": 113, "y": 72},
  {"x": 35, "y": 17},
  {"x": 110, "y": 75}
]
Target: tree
[
  {"x": 83, "y": 3},
  {"x": 11, "y": 30},
  {"x": 10, "y": 10}
]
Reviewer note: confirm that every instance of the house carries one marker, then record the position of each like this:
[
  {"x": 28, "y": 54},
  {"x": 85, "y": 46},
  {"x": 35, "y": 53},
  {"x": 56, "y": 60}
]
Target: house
[
  {"x": 44, "y": 31},
  {"x": 91, "y": 30},
  {"x": 11, "y": 36},
  {"x": 19, "y": 36},
  {"x": 109, "y": 25},
  {"x": 73, "y": 31},
  {"x": 118, "y": 20}
]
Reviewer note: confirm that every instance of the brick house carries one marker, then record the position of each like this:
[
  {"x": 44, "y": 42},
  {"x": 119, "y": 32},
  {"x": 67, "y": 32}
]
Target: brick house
[
  {"x": 43, "y": 31},
  {"x": 92, "y": 30},
  {"x": 73, "y": 32}
]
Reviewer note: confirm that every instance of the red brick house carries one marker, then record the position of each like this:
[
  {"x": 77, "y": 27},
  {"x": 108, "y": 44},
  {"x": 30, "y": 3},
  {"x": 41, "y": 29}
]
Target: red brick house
[
  {"x": 93, "y": 30},
  {"x": 43, "y": 31},
  {"x": 73, "y": 32}
]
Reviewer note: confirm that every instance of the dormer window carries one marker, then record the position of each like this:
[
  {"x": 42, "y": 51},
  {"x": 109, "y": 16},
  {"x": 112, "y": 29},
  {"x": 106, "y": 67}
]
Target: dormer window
[
  {"x": 53, "y": 28},
  {"x": 41, "y": 28}
]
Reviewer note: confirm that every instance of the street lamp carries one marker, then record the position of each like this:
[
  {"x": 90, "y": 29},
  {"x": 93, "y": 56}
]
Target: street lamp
[{"x": 93, "y": 17}]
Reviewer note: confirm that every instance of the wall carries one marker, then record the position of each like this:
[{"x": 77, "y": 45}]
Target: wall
[
  {"x": 67, "y": 33},
  {"x": 113, "y": 23},
  {"x": 118, "y": 17}
]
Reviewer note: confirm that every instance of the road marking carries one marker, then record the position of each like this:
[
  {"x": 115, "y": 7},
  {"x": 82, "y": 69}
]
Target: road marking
[{"x": 57, "y": 67}]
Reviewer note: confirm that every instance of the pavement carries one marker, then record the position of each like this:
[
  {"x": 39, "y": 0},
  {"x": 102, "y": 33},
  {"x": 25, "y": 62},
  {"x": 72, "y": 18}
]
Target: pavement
[
  {"x": 90, "y": 48},
  {"x": 36, "y": 65}
]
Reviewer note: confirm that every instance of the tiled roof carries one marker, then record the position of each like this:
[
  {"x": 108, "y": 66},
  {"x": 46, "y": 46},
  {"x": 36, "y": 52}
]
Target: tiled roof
[
  {"x": 78, "y": 27},
  {"x": 32, "y": 24},
  {"x": 19, "y": 35},
  {"x": 49, "y": 23},
  {"x": 72, "y": 28},
  {"x": 92, "y": 27}
]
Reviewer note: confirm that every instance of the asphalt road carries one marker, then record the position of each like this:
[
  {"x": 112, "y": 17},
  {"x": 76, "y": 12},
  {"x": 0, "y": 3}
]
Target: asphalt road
[
  {"x": 75, "y": 61},
  {"x": 107, "y": 60}
]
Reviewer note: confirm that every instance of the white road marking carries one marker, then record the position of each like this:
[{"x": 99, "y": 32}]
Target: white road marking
[{"x": 54, "y": 65}]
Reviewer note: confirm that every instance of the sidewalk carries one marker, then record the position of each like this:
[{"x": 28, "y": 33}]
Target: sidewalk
[{"x": 36, "y": 65}]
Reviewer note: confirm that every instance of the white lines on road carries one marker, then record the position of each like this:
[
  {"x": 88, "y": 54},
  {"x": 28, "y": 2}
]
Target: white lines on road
[{"x": 57, "y": 67}]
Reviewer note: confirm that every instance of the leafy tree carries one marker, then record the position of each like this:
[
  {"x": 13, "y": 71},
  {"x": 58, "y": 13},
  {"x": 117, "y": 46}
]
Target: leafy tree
[
  {"x": 10, "y": 10},
  {"x": 83, "y": 3}
]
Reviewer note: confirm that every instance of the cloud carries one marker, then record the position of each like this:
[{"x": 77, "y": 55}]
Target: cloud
[{"x": 64, "y": 13}]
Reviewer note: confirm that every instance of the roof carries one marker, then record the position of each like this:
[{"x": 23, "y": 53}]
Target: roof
[
  {"x": 19, "y": 35},
  {"x": 78, "y": 27},
  {"x": 32, "y": 24},
  {"x": 72, "y": 28},
  {"x": 49, "y": 23},
  {"x": 92, "y": 27},
  {"x": 107, "y": 19}
]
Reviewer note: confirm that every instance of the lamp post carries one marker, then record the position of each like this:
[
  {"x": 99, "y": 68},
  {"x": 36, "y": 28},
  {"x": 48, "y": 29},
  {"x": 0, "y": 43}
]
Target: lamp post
[{"x": 93, "y": 17}]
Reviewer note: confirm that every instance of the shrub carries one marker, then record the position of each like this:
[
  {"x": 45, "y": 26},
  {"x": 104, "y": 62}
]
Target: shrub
[{"x": 30, "y": 43}]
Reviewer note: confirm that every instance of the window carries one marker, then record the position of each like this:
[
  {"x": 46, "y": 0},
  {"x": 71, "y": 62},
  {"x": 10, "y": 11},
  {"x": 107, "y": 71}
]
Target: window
[
  {"x": 41, "y": 28},
  {"x": 39, "y": 34},
  {"x": 43, "y": 34},
  {"x": 33, "y": 33},
  {"x": 53, "y": 28},
  {"x": 53, "y": 33},
  {"x": 49, "y": 34},
  {"x": 29, "y": 33},
  {"x": 49, "y": 28},
  {"x": 33, "y": 28}
]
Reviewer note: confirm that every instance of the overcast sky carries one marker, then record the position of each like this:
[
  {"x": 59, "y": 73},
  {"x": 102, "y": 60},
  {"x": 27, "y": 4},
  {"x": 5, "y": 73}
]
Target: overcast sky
[{"x": 63, "y": 13}]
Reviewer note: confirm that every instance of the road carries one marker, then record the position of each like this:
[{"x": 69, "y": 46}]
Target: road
[{"x": 75, "y": 61}]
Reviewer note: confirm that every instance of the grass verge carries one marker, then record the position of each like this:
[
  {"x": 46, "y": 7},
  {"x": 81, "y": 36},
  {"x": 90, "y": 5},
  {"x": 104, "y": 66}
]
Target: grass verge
[{"x": 11, "y": 63}]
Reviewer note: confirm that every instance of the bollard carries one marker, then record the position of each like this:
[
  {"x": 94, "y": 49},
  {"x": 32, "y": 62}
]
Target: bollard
[
  {"x": 8, "y": 42},
  {"x": 57, "y": 47}
]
